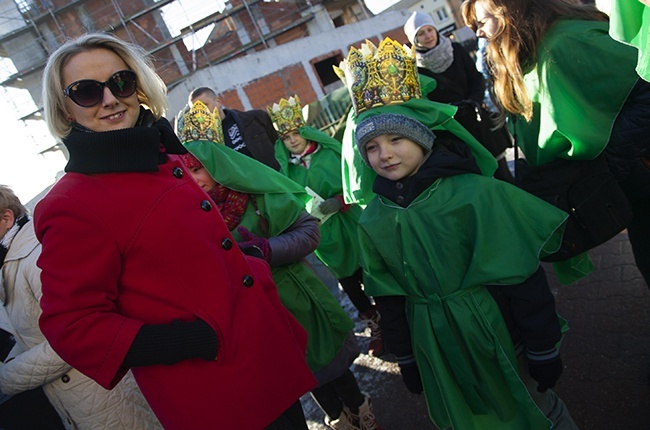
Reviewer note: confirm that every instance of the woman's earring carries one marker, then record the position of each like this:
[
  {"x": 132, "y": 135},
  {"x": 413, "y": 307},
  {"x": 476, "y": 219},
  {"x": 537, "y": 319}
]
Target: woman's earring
[{"x": 70, "y": 119}]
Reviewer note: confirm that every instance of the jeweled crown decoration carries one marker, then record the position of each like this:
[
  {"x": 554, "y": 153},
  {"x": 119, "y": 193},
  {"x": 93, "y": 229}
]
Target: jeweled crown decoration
[
  {"x": 380, "y": 76},
  {"x": 286, "y": 115},
  {"x": 201, "y": 124}
]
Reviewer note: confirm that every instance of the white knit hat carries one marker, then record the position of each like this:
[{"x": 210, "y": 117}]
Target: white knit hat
[{"x": 416, "y": 21}]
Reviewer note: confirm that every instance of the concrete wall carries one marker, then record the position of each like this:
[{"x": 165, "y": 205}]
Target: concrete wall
[{"x": 258, "y": 80}]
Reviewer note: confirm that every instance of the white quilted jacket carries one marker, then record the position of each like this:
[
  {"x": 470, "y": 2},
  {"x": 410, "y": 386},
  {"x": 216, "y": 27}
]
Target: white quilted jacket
[{"x": 80, "y": 401}]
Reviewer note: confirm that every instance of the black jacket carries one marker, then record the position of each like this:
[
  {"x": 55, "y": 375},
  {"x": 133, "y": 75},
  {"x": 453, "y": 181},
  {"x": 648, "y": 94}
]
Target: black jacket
[
  {"x": 461, "y": 81},
  {"x": 628, "y": 149},
  {"x": 463, "y": 85},
  {"x": 258, "y": 133}
]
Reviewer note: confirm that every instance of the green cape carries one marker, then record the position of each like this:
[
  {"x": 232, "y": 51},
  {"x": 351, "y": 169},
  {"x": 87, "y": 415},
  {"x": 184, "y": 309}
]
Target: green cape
[
  {"x": 460, "y": 234},
  {"x": 281, "y": 201},
  {"x": 581, "y": 80},
  {"x": 629, "y": 22},
  {"x": 338, "y": 249}
]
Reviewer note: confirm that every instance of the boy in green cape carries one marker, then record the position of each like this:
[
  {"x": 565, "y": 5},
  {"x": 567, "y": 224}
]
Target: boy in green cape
[
  {"x": 265, "y": 212},
  {"x": 313, "y": 159},
  {"x": 451, "y": 256}
]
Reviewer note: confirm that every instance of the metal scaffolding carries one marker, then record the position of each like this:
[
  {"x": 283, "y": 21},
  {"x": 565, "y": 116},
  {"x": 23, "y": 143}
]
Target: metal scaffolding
[{"x": 182, "y": 35}]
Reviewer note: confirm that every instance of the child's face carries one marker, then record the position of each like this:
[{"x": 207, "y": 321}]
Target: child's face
[
  {"x": 427, "y": 37},
  {"x": 394, "y": 157},
  {"x": 203, "y": 178},
  {"x": 295, "y": 143}
]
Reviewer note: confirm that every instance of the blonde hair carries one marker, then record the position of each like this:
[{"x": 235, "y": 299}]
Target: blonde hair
[
  {"x": 512, "y": 50},
  {"x": 8, "y": 200},
  {"x": 152, "y": 91}
]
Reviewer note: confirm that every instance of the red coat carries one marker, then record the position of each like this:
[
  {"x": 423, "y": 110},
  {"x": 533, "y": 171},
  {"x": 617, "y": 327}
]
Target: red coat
[{"x": 124, "y": 249}]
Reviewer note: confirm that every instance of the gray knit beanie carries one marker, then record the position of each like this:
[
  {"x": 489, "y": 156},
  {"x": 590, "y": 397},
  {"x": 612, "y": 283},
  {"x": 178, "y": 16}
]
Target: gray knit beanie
[
  {"x": 392, "y": 123},
  {"x": 416, "y": 21}
]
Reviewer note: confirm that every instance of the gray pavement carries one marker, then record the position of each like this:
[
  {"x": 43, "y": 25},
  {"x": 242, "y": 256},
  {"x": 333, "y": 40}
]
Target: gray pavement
[{"x": 606, "y": 353}]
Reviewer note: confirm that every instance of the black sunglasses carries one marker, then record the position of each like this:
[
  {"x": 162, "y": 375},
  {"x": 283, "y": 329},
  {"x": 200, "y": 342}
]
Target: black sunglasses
[{"x": 88, "y": 92}]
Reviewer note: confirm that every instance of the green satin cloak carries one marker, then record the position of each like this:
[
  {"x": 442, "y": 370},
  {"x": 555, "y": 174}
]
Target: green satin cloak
[
  {"x": 581, "y": 79},
  {"x": 281, "y": 201},
  {"x": 461, "y": 233},
  {"x": 339, "y": 248},
  {"x": 629, "y": 22}
]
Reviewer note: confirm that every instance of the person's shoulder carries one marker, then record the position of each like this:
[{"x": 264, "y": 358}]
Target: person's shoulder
[
  {"x": 259, "y": 113},
  {"x": 248, "y": 115},
  {"x": 561, "y": 34},
  {"x": 458, "y": 47},
  {"x": 250, "y": 112}
]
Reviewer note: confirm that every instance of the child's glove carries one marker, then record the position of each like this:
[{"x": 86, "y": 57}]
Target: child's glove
[
  {"x": 330, "y": 205},
  {"x": 252, "y": 243},
  {"x": 545, "y": 367},
  {"x": 411, "y": 376}
]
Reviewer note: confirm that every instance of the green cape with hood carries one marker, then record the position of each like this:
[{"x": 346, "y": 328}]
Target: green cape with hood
[
  {"x": 281, "y": 201},
  {"x": 358, "y": 177},
  {"x": 461, "y": 233},
  {"x": 338, "y": 248}
]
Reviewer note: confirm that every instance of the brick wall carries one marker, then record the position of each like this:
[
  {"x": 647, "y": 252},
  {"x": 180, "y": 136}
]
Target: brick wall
[
  {"x": 282, "y": 84},
  {"x": 230, "y": 100}
]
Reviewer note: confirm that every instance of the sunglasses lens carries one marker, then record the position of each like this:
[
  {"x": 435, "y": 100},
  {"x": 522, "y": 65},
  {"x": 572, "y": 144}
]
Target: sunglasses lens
[
  {"x": 122, "y": 84},
  {"x": 86, "y": 93}
]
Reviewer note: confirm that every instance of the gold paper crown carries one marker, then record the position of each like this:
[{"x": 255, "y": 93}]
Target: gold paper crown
[
  {"x": 200, "y": 124},
  {"x": 286, "y": 115},
  {"x": 380, "y": 76}
]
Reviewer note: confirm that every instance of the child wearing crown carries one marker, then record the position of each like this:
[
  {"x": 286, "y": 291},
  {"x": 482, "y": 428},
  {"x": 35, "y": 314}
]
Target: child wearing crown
[
  {"x": 313, "y": 159},
  {"x": 265, "y": 212},
  {"x": 451, "y": 256}
]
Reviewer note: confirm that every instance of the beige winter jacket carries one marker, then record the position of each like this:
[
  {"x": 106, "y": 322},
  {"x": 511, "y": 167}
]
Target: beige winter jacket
[{"x": 81, "y": 402}]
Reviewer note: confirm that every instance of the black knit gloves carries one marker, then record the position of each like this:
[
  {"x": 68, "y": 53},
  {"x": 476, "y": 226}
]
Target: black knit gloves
[
  {"x": 170, "y": 343},
  {"x": 410, "y": 374},
  {"x": 545, "y": 367}
]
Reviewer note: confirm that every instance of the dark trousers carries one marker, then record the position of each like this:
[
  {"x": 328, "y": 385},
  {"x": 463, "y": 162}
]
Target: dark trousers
[
  {"x": 291, "y": 419},
  {"x": 628, "y": 154},
  {"x": 352, "y": 285},
  {"x": 638, "y": 233},
  {"x": 29, "y": 410}
]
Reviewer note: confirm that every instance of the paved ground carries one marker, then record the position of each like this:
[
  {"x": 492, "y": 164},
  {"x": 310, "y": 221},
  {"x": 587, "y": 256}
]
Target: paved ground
[{"x": 606, "y": 353}]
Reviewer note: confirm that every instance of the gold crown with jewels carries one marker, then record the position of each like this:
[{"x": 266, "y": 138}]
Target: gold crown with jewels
[
  {"x": 286, "y": 115},
  {"x": 380, "y": 76},
  {"x": 201, "y": 124}
]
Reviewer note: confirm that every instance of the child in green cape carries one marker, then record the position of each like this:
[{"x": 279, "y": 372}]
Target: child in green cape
[
  {"x": 451, "y": 256},
  {"x": 313, "y": 159},
  {"x": 265, "y": 212}
]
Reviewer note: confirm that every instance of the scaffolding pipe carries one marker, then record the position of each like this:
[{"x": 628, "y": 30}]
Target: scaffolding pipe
[{"x": 257, "y": 28}]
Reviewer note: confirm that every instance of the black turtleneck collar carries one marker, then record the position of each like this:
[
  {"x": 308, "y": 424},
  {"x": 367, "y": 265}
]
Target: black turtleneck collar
[
  {"x": 137, "y": 149},
  {"x": 452, "y": 158}
]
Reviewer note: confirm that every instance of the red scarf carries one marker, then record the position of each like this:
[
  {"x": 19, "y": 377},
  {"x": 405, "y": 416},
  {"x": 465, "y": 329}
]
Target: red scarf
[{"x": 231, "y": 204}]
